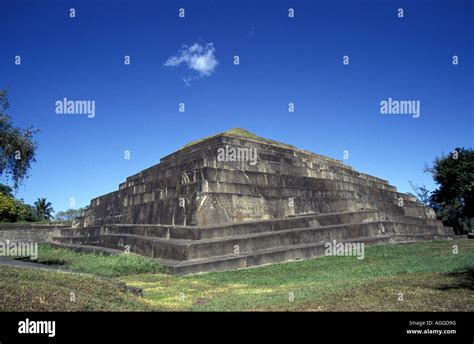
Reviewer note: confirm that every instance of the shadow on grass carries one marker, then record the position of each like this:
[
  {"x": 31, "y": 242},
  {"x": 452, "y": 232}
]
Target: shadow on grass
[
  {"x": 462, "y": 280},
  {"x": 53, "y": 262}
]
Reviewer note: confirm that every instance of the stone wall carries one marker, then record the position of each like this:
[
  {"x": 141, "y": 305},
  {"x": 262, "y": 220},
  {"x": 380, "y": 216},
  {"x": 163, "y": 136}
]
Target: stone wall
[
  {"x": 192, "y": 187},
  {"x": 29, "y": 233}
]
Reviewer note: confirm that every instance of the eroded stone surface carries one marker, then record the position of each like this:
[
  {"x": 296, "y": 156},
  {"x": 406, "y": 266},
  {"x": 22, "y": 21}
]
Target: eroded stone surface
[
  {"x": 197, "y": 211},
  {"x": 194, "y": 187}
]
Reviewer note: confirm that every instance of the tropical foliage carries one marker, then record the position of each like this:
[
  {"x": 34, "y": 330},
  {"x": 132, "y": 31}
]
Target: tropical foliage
[
  {"x": 17, "y": 146},
  {"x": 68, "y": 215},
  {"x": 11, "y": 209},
  {"x": 44, "y": 209},
  {"x": 453, "y": 200}
]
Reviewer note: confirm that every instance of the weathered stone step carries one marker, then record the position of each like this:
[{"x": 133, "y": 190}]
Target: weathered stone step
[
  {"x": 345, "y": 191},
  {"x": 279, "y": 254},
  {"x": 148, "y": 246},
  {"x": 257, "y": 241},
  {"x": 86, "y": 248},
  {"x": 168, "y": 211},
  {"x": 106, "y": 251},
  {"x": 228, "y": 207},
  {"x": 190, "y": 190},
  {"x": 80, "y": 231},
  {"x": 253, "y": 259},
  {"x": 320, "y": 188},
  {"x": 243, "y": 228},
  {"x": 267, "y": 153},
  {"x": 298, "y": 171},
  {"x": 225, "y": 230},
  {"x": 219, "y": 231},
  {"x": 194, "y": 171},
  {"x": 180, "y": 249},
  {"x": 208, "y": 148},
  {"x": 283, "y": 179},
  {"x": 204, "y": 154},
  {"x": 240, "y": 207},
  {"x": 243, "y": 182},
  {"x": 121, "y": 206}
]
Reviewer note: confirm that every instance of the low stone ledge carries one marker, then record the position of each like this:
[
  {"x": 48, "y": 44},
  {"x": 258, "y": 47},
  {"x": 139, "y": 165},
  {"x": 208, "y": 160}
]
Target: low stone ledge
[{"x": 29, "y": 233}]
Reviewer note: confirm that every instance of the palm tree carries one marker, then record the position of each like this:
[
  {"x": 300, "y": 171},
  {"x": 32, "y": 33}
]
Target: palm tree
[{"x": 44, "y": 209}]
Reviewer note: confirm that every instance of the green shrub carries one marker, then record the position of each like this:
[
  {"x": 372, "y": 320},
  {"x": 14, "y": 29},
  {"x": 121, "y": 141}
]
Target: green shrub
[{"x": 11, "y": 209}]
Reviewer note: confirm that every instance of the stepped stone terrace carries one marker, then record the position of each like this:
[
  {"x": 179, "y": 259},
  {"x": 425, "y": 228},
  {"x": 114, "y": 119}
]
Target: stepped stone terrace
[{"x": 235, "y": 200}]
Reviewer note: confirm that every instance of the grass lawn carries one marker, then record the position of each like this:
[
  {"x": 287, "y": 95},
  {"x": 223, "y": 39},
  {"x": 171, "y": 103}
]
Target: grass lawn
[
  {"x": 429, "y": 276},
  {"x": 424, "y": 276},
  {"x": 108, "y": 266},
  {"x": 24, "y": 289}
]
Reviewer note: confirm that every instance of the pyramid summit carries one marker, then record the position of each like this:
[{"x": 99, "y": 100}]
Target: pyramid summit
[
  {"x": 234, "y": 200},
  {"x": 239, "y": 132},
  {"x": 229, "y": 163}
]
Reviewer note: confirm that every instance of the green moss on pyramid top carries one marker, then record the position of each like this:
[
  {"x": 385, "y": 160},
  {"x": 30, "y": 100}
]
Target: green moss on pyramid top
[{"x": 239, "y": 132}]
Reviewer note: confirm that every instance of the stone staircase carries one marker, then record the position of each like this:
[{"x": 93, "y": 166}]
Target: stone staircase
[
  {"x": 195, "y": 213},
  {"x": 184, "y": 250}
]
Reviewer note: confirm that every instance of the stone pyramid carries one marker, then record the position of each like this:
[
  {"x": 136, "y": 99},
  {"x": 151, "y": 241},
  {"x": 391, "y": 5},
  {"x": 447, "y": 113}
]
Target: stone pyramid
[{"x": 235, "y": 200}]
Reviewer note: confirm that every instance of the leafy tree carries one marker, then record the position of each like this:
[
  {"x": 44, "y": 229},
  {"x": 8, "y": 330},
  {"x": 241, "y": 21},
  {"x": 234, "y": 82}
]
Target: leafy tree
[
  {"x": 69, "y": 214},
  {"x": 6, "y": 190},
  {"x": 422, "y": 194},
  {"x": 17, "y": 146},
  {"x": 29, "y": 214},
  {"x": 44, "y": 209},
  {"x": 453, "y": 201},
  {"x": 11, "y": 209}
]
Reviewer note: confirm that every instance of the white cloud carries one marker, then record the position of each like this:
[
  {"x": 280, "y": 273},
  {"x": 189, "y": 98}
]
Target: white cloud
[{"x": 198, "y": 58}]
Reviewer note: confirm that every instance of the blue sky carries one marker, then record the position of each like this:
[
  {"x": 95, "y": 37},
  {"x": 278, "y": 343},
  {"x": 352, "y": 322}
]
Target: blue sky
[{"x": 282, "y": 60}]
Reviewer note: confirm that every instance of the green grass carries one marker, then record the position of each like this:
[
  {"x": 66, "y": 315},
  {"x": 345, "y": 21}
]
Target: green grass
[
  {"x": 423, "y": 272},
  {"x": 23, "y": 289},
  {"x": 427, "y": 274},
  {"x": 109, "y": 266}
]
